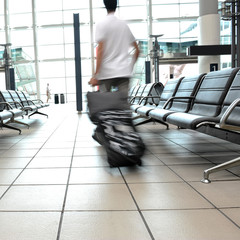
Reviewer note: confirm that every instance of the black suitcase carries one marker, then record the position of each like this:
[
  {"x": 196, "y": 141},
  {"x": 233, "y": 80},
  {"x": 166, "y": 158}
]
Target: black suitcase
[{"x": 117, "y": 134}]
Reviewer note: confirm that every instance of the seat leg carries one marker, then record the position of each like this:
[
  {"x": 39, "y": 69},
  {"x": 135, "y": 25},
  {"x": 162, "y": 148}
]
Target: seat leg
[
  {"x": 142, "y": 121},
  {"x": 11, "y": 127},
  {"x": 16, "y": 121},
  {"x": 229, "y": 164},
  {"x": 163, "y": 123},
  {"x": 37, "y": 112},
  {"x": 147, "y": 120}
]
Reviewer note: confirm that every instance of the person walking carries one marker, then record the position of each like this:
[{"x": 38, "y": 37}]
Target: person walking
[
  {"x": 114, "y": 65},
  {"x": 48, "y": 93}
]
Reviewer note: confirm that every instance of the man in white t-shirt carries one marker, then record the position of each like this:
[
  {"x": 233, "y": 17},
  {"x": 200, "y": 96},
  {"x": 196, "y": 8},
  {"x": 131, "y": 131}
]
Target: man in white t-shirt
[{"x": 114, "y": 64}]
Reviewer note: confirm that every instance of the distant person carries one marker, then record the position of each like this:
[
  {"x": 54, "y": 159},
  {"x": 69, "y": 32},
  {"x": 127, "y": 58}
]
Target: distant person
[
  {"x": 114, "y": 65},
  {"x": 48, "y": 93}
]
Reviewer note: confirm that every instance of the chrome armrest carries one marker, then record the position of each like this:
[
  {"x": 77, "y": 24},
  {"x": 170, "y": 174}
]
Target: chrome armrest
[
  {"x": 173, "y": 98},
  {"x": 227, "y": 113}
]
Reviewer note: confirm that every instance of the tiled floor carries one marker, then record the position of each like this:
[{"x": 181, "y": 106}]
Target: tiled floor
[{"x": 55, "y": 184}]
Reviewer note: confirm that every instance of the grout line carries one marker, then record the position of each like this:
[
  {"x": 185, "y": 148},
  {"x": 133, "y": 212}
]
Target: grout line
[
  {"x": 30, "y": 161},
  {"x": 138, "y": 208},
  {"x": 67, "y": 185},
  {"x": 215, "y": 207}
]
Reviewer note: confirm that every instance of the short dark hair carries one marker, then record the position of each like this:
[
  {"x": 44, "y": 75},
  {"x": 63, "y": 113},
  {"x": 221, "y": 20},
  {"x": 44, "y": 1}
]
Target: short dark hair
[{"x": 110, "y": 5}]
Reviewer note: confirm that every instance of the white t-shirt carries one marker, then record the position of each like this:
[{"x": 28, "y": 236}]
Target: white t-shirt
[{"x": 117, "y": 39}]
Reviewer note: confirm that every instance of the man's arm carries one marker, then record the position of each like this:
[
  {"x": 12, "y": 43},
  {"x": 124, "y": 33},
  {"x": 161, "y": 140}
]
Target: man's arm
[
  {"x": 94, "y": 81},
  {"x": 136, "y": 52}
]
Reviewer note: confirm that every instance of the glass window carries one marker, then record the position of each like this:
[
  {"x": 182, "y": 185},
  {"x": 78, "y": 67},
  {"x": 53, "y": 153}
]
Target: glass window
[
  {"x": 57, "y": 85},
  {"x": 70, "y": 68},
  {"x": 71, "y": 85},
  {"x": 131, "y": 2},
  {"x": 189, "y": 1},
  {"x": 51, "y": 52},
  {"x": 99, "y": 14},
  {"x": 133, "y": 12},
  {"x": 50, "y": 35},
  {"x": 2, "y": 23},
  {"x": 22, "y": 37},
  {"x": 2, "y": 36},
  {"x": 86, "y": 67},
  {"x": 2, "y": 8},
  {"x": 51, "y": 69},
  {"x": 189, "y": 10},
  {"x": 165, "y": 11},
  {"x": 48, "y": 18},
  {"x": 84, "y": 34},
  {"x": 46, "y": 5},
  {"x": 69, "y": 34},
  {"x": 28, "y": 53},
  {"x": 188, "y": 29},
  {"x": 139, "y": 30},
  {"x": 69, "y": 51},
  {"x": 84, "y": 16},
  {"x": 169, "y": 29},
  {"x": 19, "y": 20},
  {"x": 73, "y": 4},
  {"x": 164, "y": 1},
  {"x": 16, "y": 6},
  {"x": 97, "y": 3}
]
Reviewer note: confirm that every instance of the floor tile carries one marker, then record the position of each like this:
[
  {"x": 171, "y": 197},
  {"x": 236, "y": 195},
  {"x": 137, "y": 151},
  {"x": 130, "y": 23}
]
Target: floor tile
[
  {"x": 90, "y": 151},
  {"x": 55, "y": 152},
  {"x": 14, "y": 162},
  {"x": 195, "y": 172},
  {"x": 99, "y": 197},
  {"x": 120, "y": 225},
  {"x": 55, "y": 144},
  {"x": 205, "y": 147},
  {"x": 23, "y": 145},
  {"x": 167, "y": 187},
  {"x": 33, "y": 198},
  {"x": 233, "y": 213},
  {"x": 2, "y": 190},
  {"x": 7, "y": 176},
  {"x": 20, "y": 153},
  {"x": 221, "y": 194},
  {"x": 90, "y": 161},
  {"x": 29, "y": 225},
  {"x": 167, "y": 149},
  {"x": 150, "y": 159},
  {"x": 220, "y": 157},
  {"x": 95, "y": 175},
  {"x": 167, "y": 196},
  {"x": 43, "y": 176},
  {"x": 181, "y": 159},
  {"x": 207, "y": 224},
  {"x": 50, "y": 162},
  {"x": 149, "y": 174}
]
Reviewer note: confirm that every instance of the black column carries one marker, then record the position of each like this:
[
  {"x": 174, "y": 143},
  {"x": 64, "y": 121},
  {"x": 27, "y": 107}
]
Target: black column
[
  {"x": 147, "y": 72},
  {"x": 78, "y": 69},
  {"x": 12, "y": 79}
]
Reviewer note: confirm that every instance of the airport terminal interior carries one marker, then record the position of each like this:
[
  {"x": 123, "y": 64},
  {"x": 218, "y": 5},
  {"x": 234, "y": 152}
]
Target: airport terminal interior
[{"x": 55, "y": 180}]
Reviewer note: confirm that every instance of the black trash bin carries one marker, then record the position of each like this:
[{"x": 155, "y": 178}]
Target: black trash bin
[
  {"x": 62, "y": 98},
  {"x": 56, "y": 99}
]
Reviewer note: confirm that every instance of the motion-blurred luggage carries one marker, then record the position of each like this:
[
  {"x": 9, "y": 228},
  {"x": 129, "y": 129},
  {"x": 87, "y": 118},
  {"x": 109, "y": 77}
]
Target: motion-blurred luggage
[{"x": 117, "y": 134}]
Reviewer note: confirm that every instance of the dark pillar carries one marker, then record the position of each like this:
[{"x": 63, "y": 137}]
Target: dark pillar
[
  {"x": 147, "y": 71},
  {"x": 78, "y": 69}
]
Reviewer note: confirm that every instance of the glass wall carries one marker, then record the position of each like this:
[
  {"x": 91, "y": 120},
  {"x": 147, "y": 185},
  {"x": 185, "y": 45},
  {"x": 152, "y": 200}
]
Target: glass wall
[{"x": 41, "y": 33}]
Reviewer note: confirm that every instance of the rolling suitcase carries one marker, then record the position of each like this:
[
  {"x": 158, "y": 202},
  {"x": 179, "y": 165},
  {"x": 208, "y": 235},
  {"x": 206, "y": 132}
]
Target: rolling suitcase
[{"x": 117, "y": 134}]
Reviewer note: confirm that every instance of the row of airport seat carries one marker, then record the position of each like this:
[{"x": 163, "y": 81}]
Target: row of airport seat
[
  {"x": 15, "y": 104},
  {"x": 208, "y": 103}
]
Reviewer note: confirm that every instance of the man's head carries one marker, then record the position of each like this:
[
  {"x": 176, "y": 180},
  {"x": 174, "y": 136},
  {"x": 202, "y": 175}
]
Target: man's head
[{"x": 110, "y": 5}]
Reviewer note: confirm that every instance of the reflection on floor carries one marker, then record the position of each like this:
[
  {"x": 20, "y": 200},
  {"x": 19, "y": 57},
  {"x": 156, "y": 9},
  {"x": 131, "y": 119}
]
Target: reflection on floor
[{"x": 55, "y": 184}]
